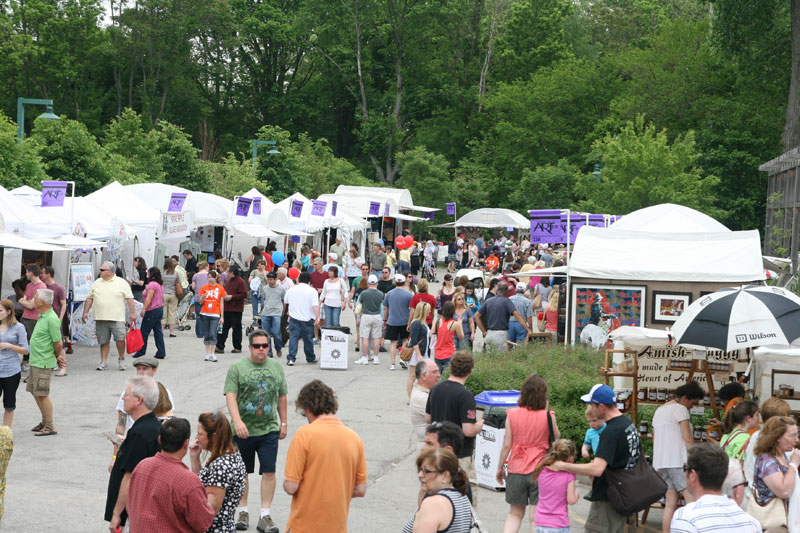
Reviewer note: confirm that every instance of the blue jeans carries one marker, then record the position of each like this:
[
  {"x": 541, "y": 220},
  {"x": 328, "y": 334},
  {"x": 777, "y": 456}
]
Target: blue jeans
[
  {"x": 403, "y": 267},
  {"x": 198, "y": 324},
  {"x": 257, "y": 300},
  {"x": 272, "y": 325},
  {"x": 152, "y": 322},
  {"x": 516, "y": 333},
  {"x": 210, "y": 325},
  {"x": 332, "y": 315},
  {"x": 297, "y": 330},
  {"x": 442, "y": 364}
]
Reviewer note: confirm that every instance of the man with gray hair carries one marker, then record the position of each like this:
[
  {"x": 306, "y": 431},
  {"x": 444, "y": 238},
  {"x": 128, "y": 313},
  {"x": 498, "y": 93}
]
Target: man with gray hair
[
  {"x": 45, "y": 344},
  {"x": 493, "y": 317},
  {"x": 141, "y": 397},
  {"x": 107, "y": 297},
  {"x": 427, "y": 374}
]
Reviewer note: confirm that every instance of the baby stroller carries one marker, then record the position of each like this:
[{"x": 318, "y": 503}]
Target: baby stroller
[
  {"x": 429, "y": 270},
  {"x": 256, "y": 324},
  {"x": 184, "y": 305}
]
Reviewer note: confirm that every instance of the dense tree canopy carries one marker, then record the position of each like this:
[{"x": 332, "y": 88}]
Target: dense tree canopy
[{"x": 506, "y": 103}]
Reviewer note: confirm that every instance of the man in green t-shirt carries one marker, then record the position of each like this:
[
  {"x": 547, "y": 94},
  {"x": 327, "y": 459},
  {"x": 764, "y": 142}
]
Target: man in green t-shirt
[
  {"x": 255, "y": 393},
  {"x": 45, "y": 344}
]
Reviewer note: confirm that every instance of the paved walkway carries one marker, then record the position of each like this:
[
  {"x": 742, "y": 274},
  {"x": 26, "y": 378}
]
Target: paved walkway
[{"x": 59, "y": 483}]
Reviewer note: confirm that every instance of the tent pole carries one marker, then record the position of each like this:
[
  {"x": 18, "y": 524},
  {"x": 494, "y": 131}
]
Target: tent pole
[{"x": 568, "y": 292}]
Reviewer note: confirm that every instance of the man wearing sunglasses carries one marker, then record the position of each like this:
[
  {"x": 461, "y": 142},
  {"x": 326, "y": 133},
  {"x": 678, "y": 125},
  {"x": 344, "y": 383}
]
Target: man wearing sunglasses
[
  {"x": 255, "y": 393},
  {"x": 108, "y": 296}
]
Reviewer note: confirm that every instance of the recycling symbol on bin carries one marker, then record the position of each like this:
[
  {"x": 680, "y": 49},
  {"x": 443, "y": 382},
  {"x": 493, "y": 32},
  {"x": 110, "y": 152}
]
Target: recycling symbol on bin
[
  {"x": 335, "y": 354},
  {"x": 486, "y": 461}
]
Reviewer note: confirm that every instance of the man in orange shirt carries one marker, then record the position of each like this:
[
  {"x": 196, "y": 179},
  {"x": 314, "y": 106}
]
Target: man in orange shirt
[{"x": 325, "y": 465}]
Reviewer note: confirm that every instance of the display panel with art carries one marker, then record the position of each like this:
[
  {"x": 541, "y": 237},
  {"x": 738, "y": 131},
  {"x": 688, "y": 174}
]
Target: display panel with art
[
  {"x": 600, "y": 309},
  {"x": 668, "y": 306}
]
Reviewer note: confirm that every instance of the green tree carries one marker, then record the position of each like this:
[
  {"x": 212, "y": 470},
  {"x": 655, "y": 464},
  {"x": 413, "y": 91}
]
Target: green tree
[
  {"x": 19, "y": 163},
  {"x": 233, "y": 176},
  {"x": 549, "y": 186},
  {"x": 641, "y": 167}
]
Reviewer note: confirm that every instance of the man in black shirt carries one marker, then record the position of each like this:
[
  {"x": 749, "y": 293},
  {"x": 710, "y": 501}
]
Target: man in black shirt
[
  {"x": 451, "y": 400},
  {"x": 618, "y": 449},
  {"x": 140, "y": 399},
  {"x": 385, "y": 283}
]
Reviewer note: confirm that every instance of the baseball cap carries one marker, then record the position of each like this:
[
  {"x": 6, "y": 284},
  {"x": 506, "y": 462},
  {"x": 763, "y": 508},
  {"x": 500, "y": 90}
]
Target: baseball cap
[
  {"x": 146, "y": 361},
  {"x": 272, "y": 275},
  {"x": 600, "y": 394},
  {"x": 399, "y": 278},
  {"x": 521, "y": 287},
  {"x": 333, "y": 256},
  {"x": 372, "y": 279}
]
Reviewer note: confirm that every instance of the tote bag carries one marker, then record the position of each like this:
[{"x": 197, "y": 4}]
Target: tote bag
[{"x": 133, "y": 340}]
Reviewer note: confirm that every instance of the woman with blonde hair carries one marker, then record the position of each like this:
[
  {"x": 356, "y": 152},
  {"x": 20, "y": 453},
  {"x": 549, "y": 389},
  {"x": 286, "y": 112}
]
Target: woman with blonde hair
[
  {"x": 169, "y": 280},
  {"x": 13, "y": 347},
  {"x": 551, "y": 316},
  {"x": 445, "y": 506},
  {"x": 419, "y": 333},
  {"x": 224, "y": 474}
]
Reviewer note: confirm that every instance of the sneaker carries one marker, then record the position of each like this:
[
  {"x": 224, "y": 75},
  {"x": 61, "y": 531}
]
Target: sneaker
[
  {"x": 383, "y": 349},
  {"x": 243, "y": 522},
  {"x": 391, "y": 367},
  {"x": 312, "y": 362},
  {"x": 315, "y": 341},
  {"x": 280, "y": 354},
  {"x": 208, "y": 358},
  {"x": 289, "y": 363},
  {"x": 236, "y": 351},
  {"x": 212, "y": 358},
  {"x": 403, "y": 364},
  {"x": 266, "y": 525},
  {"x": 102, "y": 366},
  {"x": 362, "y": 361},
  {"x": 376, "y": 361},
  {"x": 122, "y": 364}
]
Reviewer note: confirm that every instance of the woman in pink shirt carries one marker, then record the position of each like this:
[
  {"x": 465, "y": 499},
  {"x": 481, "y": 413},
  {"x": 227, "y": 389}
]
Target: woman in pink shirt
[
  {"x": 525, "y": 444},
  {"x": 152, "y": 313},
  {"x": 557, "y": 490}
]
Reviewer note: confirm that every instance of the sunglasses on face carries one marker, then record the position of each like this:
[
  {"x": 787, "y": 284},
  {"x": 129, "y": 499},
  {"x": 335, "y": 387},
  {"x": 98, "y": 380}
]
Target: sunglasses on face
[{"x": 263, "y": 346}]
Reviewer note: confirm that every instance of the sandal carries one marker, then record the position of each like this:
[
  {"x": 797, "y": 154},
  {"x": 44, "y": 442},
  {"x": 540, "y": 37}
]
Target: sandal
[
  {"x": 38, "y": 427},
  {"x": 45, "y": 432}
]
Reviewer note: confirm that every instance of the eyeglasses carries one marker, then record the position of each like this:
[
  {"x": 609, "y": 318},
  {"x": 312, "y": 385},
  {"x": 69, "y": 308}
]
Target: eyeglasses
[
  {"x": 425, "y": 471},
  {"x": 385, "y": 271},
  {"x": 105, "y": 270},
  {"x": 261, "y": 346}
]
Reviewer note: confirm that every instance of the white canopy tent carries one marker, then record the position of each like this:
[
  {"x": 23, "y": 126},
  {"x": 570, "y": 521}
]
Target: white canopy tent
[
  {"x": 490, "y": 217},
  {"x": 95, "y": 221},
  {"x": 25, "y": 222},
  {"x": 764, "y": 361},
  {"x": 206, "y": 209}
]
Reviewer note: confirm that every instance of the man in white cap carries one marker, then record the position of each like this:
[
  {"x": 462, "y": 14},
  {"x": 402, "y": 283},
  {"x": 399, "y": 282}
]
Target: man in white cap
[
  {"x": 395, "y": 315},
  {"x": 371, "y": 322},
  {"x": 333, "y": 260},
  {"x": 618, "y": 448}
]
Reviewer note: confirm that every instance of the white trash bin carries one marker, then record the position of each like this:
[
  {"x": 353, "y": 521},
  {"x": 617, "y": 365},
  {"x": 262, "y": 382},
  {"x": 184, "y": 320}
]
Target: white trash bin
[{"x": 335, "y": 347}]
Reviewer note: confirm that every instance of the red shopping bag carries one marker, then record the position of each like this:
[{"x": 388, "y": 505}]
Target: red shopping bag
[{"x": 133, "y": 340}]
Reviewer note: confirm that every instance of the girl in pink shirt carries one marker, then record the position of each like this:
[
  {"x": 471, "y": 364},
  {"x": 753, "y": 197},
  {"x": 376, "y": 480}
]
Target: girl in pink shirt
[{"x": 556, "y": 490}]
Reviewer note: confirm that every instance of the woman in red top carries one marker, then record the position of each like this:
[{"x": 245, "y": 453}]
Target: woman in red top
[
  {"x": 525, "y": 444},
  {"x": 212, "y": 309},
  {"x": 551, "y": 316},
  {"x": 422, "y": 296},
  {"x": 446, "y": 330}
]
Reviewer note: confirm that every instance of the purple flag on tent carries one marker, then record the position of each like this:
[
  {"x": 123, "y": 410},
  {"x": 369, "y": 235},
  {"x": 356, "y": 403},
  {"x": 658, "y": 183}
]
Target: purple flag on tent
[
  {"x": 257, "y": 205},
  {"x": 176, "y": 201},
  {"x": 243, "y": 206},
  {"x": 334, "y": 205},
  {"x": 576, "y": 221},
  {"x": 53, "y": 193},
  {"x": 295, "y": 238},
  {"x": 546, "y": 226},
  {"x": 374, "y": 209},
  {"x": 297, "y": 208},
  {"x": 386, "y": 209},
  {"x": 430, "y": 215},
  {"x": 598, "y": 221},
  {"x": 318, "y": 207},
  {"x": 451, "y": 208}
]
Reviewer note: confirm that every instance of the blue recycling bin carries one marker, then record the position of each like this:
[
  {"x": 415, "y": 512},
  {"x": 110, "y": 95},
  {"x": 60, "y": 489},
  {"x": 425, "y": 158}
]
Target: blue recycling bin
[{"x": 497, "y": 401}]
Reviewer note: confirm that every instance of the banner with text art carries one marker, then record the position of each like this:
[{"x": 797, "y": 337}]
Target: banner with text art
[{"x": 546, "y": 226}]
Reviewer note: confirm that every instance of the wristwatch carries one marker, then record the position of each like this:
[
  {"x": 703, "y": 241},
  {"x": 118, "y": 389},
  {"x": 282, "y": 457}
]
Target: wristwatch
[{"x": 283, "y": 423}]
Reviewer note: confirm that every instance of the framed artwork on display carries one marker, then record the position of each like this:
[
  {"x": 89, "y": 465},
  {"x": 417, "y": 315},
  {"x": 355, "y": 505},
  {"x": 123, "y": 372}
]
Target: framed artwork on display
[
  {"x": 668, "y": 306},
  {"x": 600, "y": 309}
]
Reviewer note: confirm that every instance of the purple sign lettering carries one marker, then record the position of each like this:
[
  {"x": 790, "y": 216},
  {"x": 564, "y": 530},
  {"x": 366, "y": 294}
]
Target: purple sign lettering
[
  {"x": 243, "y": 206},
  {"x": 295, "y": 238},
  {"x": 318, "y": 208},
  {"x": 257, "y": 205},
  {"x": 53, "y": 193},
  {"x": 334, "y": 205},
  {"x": 546, "y": 226},
  {"x": 576, "y": 222},
  {"x": 176, "y": 201},
  {"x": 451, "y": 208},
  {"x": 386, "y": 209},
  {"x": 374, "y": 209},
  {"x": 297, "y": 208},
  {"x": 598, "y": 221}
]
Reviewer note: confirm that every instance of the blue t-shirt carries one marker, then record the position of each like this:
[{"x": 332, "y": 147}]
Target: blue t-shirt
[
  {"x": 592, "y": 438},
  {"x": 397, "y": 301}
]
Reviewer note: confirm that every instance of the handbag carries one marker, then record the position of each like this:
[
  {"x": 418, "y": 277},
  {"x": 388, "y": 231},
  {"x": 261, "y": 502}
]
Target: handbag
[
  {"x": 179, "y": 290},
  {"x": 634, "y": 489},
  {"x": 133, "y": 340},
  {"x": 536, "y": 303},
  {"x": 406, "y": 353},
  {"x": 551, "y": 435},
  {"x": 541, "y": 323},
  {"x": 771, "y": 514}
]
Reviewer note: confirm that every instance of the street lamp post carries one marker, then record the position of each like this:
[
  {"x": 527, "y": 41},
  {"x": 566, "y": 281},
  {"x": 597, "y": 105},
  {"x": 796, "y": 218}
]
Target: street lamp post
[
  {"x": 257, "y": 143},
  {"x": 21, "y": 102}
]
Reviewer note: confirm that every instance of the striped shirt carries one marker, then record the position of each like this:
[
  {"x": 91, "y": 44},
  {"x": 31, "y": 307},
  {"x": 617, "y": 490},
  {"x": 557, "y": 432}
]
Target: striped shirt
[
  {"x": 713, "y": 513},
  {"x": 462, "y": 513}
]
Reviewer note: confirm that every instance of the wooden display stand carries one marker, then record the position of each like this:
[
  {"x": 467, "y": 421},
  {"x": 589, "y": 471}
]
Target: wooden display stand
[{"x": 608, "y": 372}]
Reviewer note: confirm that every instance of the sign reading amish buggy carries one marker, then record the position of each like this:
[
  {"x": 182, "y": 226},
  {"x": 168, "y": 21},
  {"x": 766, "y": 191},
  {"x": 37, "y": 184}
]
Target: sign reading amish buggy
[{"x": 655, "y": 364}]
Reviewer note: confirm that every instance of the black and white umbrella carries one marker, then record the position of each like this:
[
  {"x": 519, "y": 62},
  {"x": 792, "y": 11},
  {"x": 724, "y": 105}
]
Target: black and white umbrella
[{"x": 744, "y": 317}]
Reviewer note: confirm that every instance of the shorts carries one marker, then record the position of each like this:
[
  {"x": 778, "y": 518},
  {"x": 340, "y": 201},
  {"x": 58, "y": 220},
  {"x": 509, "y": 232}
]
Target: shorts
[
  {"x": 396, "y": 333},
  {"x": 266, "y": 446},
  {"x": 39, "y": 381},
  {"x": 29, "y": 324},
  {"x": 520, "y": 490},
  {"x": 106, "y": 328},
  {"x": 371, "y": 326},
  {"x": 545, "y": 529},
  {"x": 604, "y": 519},
  {"x": 675, "y": 478}
]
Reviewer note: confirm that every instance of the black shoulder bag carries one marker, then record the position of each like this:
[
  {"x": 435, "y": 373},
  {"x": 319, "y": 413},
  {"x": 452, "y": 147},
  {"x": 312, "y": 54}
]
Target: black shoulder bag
[{"x": 635, "y": 489}]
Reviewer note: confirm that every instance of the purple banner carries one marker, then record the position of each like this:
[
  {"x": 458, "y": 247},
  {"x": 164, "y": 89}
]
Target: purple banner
[
  {"x": 334, "y": 205},
  {"x": 53, "y": 193},
  {"x": 430, "y": 215},
  {"x": 243, "y": 206},
  {"x": 598, "y": 221},
  {"x": 546, "y": 226},
  {"x": 297, "y": 208},
  {"x": 451, "y": 208},
  {"x": 318, "y": 208},
  {"x": 576, "y": 222},
  {"x": 386, "y": 209},
  {"x": 257, "y": 205},
  {"x": 176, "y": 201},
  {"x": 374, "y": 209},
  {"x": 295, "y": 238}
]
